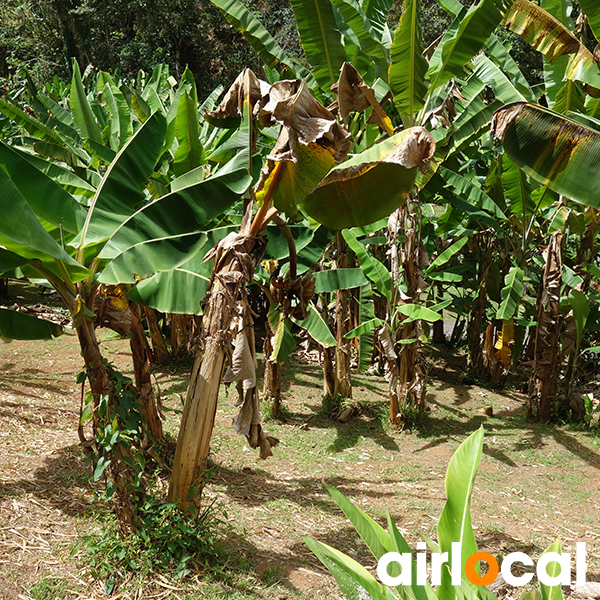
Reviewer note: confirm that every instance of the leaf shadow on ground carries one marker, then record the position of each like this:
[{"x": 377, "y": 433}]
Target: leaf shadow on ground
[{"x": 62, "y": 481}]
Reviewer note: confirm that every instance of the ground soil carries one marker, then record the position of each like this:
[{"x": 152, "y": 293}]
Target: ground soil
[{"x": 536, "y": 482}]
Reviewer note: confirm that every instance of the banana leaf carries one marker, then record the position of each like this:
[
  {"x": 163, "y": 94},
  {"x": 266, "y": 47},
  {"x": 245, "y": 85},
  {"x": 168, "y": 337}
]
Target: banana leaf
[
  {"x": 462, "y": 41},
  {"x": 321, "y": 39},
  {"x": 373, "y": 269},
  {"x": 345, "y": 196},
  {"x": 121, "y": 188},
  {"x": 339, "y": 279},
  {"x": 591, "y": 8},
  {"x": 454, "y": 525},
  {"x": 511, "y": 294},
  {"x": 47, "y": 199},
  {"x": 407, "y": 65},
  {"x": 83, "y": 117},
  {"x": 556, "y": 151},
  {"x": 20, "y": 224},
  {"x": 18, "y": 326}
]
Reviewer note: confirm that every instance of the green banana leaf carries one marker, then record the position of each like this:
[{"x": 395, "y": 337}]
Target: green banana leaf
[
  {"x": 277, "y": 246},
  {"x": 377, "y": 12},
  {"x": 416, "y": 311},
  {"x": 493, "y": 77},
  {"x": 258, "y": 37},
  {"x": 47, "y": 199},
  {"x": 455, "y": 521},
  {"x": 368, "y": 39},
  {"x": 121, "y": 188},
  {"x": 556, "y": 151},
  {"x": 591, "y": 8},
  {"x": 511, "y": 294},
  {"x": 472, "y": 193},
  {"x": 462, "y": 41},
  {"x": 345, "y": 196},
  {"x": 83, "y": 117},
  {"x": 408, "y": 67},
  {"x": 570, "y": 97},
  {"x": 501, "y": 56},
  {"x": 321, "y": 39},
  {"x": 20, "y": 224},
  {"x": 552, "y": 592},
  {"x": 185, "y": 211},
  {"x": 316, "y": 327},
  {"x": 32, "y": 125},
  {"x": 375, "y": 537},
  {"x": 373, "y": 269},
  {"x": 144, "y": 259},
  {"x": 354, "y": 580},
  {"x": 339, "y": 279},
  {"x": 518, "y": 188},
  {"x": 399, "y": 545},
  {"x": 120, "y": 126},
  {"x": 581, "y": 310},
  {"x": 365, "y": 327},
  {"x": 284, "y": 341},
  {"x": 11, "y": 260},
  {"x": 18, "y": 326},
  {"x": 178, "y": 291},
  {"x": 190, "y": 153}
]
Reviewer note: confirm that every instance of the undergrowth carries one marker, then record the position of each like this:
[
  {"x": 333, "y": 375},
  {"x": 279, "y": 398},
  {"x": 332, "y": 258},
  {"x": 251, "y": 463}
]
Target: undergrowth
[{"x": 168, "y": 540}]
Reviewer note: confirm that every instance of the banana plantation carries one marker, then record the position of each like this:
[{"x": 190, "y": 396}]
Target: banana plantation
[{"x": 372, "y": 205}]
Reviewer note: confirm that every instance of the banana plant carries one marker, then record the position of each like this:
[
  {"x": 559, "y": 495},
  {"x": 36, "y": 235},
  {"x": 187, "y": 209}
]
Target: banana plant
[
  {"x": 103, "y": 219},
  {"x": 299, "y": 175}
]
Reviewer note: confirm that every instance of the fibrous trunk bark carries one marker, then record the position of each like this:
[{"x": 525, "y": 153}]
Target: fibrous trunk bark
[
  {"x": 159, "y": 346},
  {"x": 272, "y": 375},
  {"x": 120, "y": 468},
  {"x": 482, "y": 244},
  {"x": 142, "y": 357},
  {"x": 342, "y": 383},
  {"x": 543, "y": 400},
  {"x": 236, "y": 257}
]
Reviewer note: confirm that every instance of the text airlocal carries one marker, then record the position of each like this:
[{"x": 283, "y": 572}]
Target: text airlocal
[{"x": 455, "y": 562}]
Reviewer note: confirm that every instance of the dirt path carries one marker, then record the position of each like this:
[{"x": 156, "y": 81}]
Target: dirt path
[{"x": 535, "y": 482}]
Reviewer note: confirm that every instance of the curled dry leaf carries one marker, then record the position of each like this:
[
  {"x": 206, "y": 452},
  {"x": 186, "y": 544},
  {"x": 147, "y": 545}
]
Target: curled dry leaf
[
  {"x": 309, "y": 144},
  {"x": 247, "y": 86},
  {"x": 354, "y": 94}
]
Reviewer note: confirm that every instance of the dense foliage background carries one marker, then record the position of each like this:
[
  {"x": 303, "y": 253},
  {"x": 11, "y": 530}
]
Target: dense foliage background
[{"x": 42, "y": 35}]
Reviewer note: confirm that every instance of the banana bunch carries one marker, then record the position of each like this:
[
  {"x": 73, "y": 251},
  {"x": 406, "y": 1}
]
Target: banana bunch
[{"x": 293, "y": 295}]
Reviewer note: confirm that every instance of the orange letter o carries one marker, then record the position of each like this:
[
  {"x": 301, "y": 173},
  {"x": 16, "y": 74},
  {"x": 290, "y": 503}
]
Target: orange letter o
[{"x": 471, "y": 573}]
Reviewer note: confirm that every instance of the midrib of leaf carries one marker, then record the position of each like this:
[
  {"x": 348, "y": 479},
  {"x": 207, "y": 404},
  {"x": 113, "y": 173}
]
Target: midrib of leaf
[
  {"x": 413, "y": 31},
  {"x": 452, "y": 48},
  {"x": 188, "y": 128},
  {"x": 324, "y": 38}
]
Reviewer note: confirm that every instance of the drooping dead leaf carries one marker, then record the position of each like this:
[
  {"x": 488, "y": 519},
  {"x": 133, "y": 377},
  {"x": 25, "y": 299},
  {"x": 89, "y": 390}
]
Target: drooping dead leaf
[
  {"x": 305, "y": 120},
  {"x": 354, "y": 94},
  {"x": 247, "y": 86}
]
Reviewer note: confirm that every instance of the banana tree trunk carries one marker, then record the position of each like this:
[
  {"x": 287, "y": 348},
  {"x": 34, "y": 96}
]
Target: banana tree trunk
[
  {"x": 543, "y": 400},
  {"x": 342, "y": 382},
  {"x": 142, "y": 356},
  {"x": 272, "y": 375},
  {"x": 120, "y": 468},
  {"x": 411, "y": 381},
  {"x": 482, "y": 245},
  {"x": 179, "y": 336},
  {"x": 159, "y": 346},
  {"x": 236, "y": 257}
]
